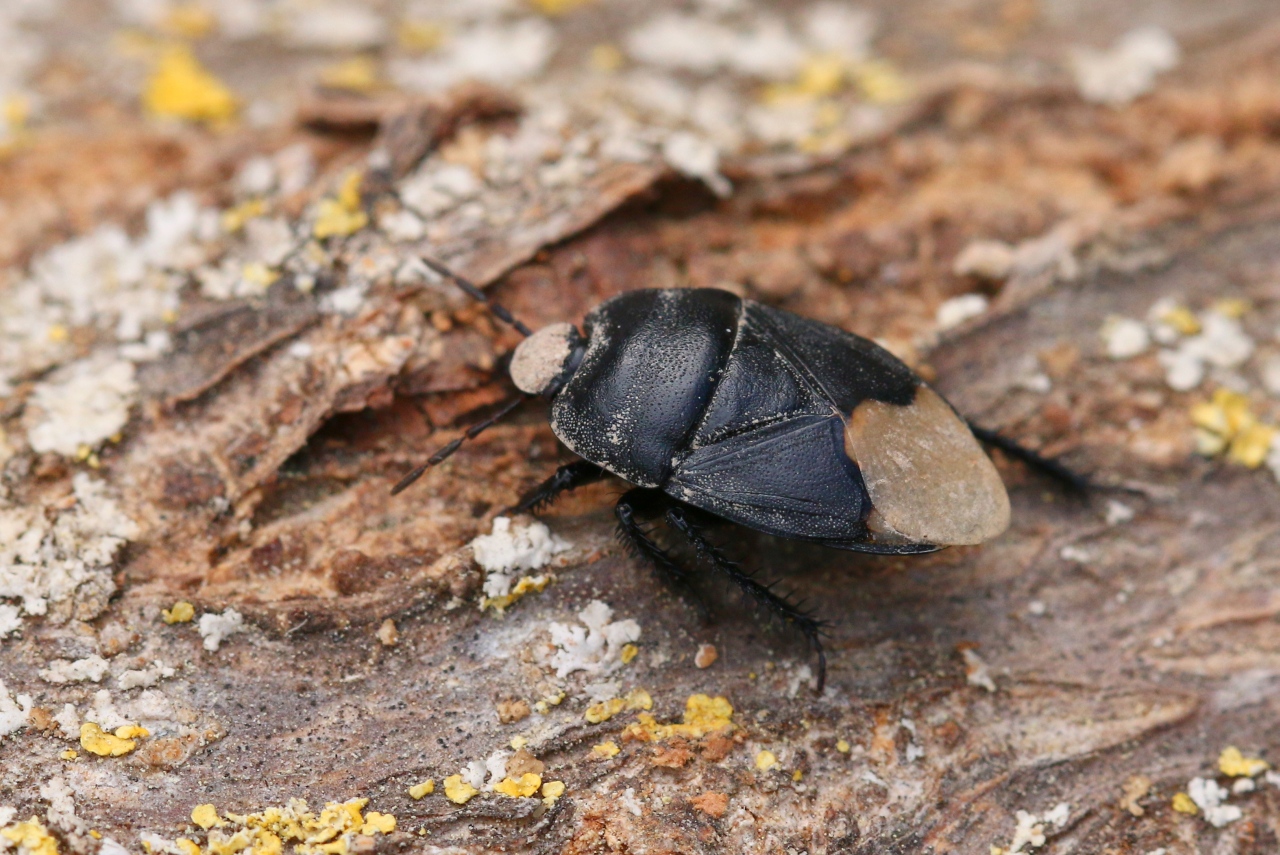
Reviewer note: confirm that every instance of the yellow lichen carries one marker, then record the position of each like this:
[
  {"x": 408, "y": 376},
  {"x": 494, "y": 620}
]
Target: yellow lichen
[
  {"x": 797, "y": 775},
  {"x": 206, "y": 816},
  {"x": 1234, "y": 764},
  {"x": 880, "y": 82},
  {"x": 259, "y": 274},
  {"x": 131, "y": 731},
  {"x": 557, "y": 7},
  {"x": 606, "y": 57},
  {"x": 359, "y": 74},
  {"x": 458, "y": 791},
  {"x": 518, "y": 742},
  {"x": 341, "y": 215},
  {"x": 1182, "y": 804},
  {"x": 31, "y": 838},
  {"x": 525, "y": 786},
  {"x": 233, "y": 219},
  {"x": 629, "y": 652},
  {"x": 329, "y": 833},
  {"x": 605, "y": 750},
  {"x": 766, "y": 760},
  {"x": 69, "y": 754},
  {"x": 821, "y": 76},
  {"x": 1232, "y": 307},
  {"x": 1227, "y": 423},
  {"x": 526, "y": 584},
  {"x": 426, "y": 788},
  {"x": 551, "y": 791},
  {"x": 189, "y": 21},
  {"x": 96, "y": 741},
  {"x": 188, "y": 847},
  {"x": 1181, "y": 319},
  {"x": 419, "y": 36},
  {"x": 842, "y": 745},
  {"x": 181, "y": 88},
  {"x": 702, "y": 715},
  {"x": 57, "y": 333},
  {"x": 637, "y": 699},
  {"x": 182, "y": 612}
]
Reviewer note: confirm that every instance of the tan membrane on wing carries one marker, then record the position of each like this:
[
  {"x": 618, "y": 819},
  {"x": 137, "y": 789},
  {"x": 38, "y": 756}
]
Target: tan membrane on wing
[{"x": 928, "y": 478}]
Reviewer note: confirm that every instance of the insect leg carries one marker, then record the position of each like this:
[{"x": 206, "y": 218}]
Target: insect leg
[
  {"x": 1049, "y": 466},
  {"x": 763, "y": 595},
  {"x": 567, "y": 477},
  {"x": 650, "y": 503}
]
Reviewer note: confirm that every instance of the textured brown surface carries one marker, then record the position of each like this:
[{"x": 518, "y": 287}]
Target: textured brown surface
[{"x": 261, "y": 481}]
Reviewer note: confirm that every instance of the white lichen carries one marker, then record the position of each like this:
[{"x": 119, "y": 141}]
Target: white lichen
[
  {"x": 509, "y": 549},
  {"x": 1128, "y": 69},
  {"x": 144, "y": 677},
  {"x": 215, "y": 628},
  {"x": 595, "y": 647},
  {"x": 67, "y": 561},
  {"x": 1210, "y": 797},
  {"x": 957, "y": 310},
  {"x": 13, "y": 711},
  {"x": 1124, "y": 338},
  {"x": 1030, "y": 831},
  {"x": 81, "y": 405},
  {"x": 91, "y": 669},
  {"x": 695, "y": 157}
]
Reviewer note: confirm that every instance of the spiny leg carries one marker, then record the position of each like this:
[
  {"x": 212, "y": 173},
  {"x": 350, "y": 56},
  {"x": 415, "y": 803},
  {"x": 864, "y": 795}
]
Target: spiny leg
[
  {"x": 792, "y": 613},
  {"x": 567, "y": 477},
  {"x": 644, "y": 503},
  {"x": 1056, "y": 470}
]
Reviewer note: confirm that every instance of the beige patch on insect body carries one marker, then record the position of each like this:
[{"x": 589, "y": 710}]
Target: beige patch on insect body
[
  {"x": 928, "y": 478},
  {"x": 540, "y": 358}
]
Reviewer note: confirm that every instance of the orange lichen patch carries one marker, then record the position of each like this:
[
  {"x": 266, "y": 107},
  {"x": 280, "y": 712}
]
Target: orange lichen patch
[
  {"x": 341, "y": 215},
  {"x": 458, "y": 791},
  {"x": 673, "y": 756},
  {"x": 182, "y": 612},
  {"x": 31, "y": 838},
  {"x": 637, "y": 699},
  {"x": 332, "y": 832},
  {"x": 712, "y": 804},
  {"x": 181, "y": 88},
  {"x": 716, "y": 747},
  {"x": 527, "y": 784},
  {"x": 605, "y": 750},
  {"x": 426, "y": 788},
  {"x": 1234, "y": 764},
  {"x": 1226, "y": 423},
  {"x": 702, "y": 715},
  {"x": 97, "y": 741}
]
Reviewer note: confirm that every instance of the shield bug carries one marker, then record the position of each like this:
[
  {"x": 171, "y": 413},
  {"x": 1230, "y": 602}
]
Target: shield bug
[{"x": 719, "y": 408}]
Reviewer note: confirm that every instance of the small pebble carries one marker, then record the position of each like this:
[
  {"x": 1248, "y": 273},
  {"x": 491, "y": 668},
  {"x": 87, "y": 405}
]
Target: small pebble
[{"x": 706, "y": 656}]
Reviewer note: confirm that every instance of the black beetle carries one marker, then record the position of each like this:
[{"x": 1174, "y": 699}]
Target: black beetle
[{"x": 716, "y": 407}]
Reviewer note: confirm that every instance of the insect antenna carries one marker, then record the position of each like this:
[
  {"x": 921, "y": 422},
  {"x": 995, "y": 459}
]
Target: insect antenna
[
  {"x": 474, "y": 292},
  {"x": 447, "y": 451}
]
